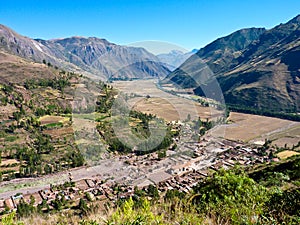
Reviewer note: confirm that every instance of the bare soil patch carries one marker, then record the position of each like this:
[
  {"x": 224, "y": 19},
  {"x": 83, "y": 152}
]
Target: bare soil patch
[
  {"x": 247, "y": 127},
  {"x": 6, "y": 162},
  {"x": 59, "y": 132}
]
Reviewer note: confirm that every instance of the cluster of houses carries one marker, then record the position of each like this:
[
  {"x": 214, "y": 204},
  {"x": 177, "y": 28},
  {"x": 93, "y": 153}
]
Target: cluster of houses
[
  {"x": 182, "y": 172},
  {"x": 183, "y": 183},
  {"x": 237, "y": 153},
  {"x": 79, "y": 189}
]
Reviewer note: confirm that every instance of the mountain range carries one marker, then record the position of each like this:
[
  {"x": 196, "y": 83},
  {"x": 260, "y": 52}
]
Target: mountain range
[
  {"x": 91, "y": 56},
  {"x": 255, "y": 68}
]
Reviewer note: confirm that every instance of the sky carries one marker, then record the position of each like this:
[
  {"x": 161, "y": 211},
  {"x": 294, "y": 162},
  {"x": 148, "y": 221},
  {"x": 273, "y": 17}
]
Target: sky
[{"x": 188, "y": 24}]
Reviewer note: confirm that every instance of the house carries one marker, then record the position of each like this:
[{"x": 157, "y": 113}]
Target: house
[
  {"x": 37, "y": 198},
  {"x": 101, "y": 197},
  {"x": 2, "y": 205},
  {"x": 82, "y": 185},
  {"x": 91, "y": 183},
  {"x": 159, "y": 177},
  {"x": 47, "y": 194},
  {"x": 16, "y": 199},
  {"x": 9, "y": 203},
  {"x": 180, "y": 169}
]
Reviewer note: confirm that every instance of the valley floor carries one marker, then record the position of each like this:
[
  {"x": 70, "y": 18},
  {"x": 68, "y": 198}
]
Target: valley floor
[{"x": 190, "y": 157}]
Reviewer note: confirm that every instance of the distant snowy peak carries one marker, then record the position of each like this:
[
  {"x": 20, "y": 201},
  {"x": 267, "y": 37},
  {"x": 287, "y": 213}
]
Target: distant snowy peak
[{"x": 175, "y": 58}]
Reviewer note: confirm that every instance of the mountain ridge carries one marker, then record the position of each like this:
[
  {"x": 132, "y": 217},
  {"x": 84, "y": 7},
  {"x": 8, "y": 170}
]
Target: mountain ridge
[
  {"x": 91, "y": 56},
  {"x": 262, "y": 74}
]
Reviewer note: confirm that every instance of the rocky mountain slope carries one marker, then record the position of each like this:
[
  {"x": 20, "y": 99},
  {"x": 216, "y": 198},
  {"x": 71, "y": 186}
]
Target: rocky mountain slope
[
  {"x": 255, "y": 68},
  {"x": 27, "y": 48},
  {"x": 90, "y": 56},
  {"x": 216, "y": 55}
]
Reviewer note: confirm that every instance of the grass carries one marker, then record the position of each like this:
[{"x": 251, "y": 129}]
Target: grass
[
  {"x": 286, "y": 154},
  {"x": 53, "y": 125},
  {"x": 53, "y": 119},
  {"x": 86, "y": 116},
  {"x": 10, "y": 138},
  {"x": 98, "y": 119}
]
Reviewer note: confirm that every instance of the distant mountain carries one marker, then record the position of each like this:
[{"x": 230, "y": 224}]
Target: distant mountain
[
  {"x": 216, "y": 55},
  {"x": 256, "y": 68},
  {"x": 157, "y": 47},
  {"x": 174, "y": 58},
  {"x": 90, "y": 56}
]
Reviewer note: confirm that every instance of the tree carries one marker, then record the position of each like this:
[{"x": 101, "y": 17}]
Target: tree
[
  {"x": 287, "y": 202},
  {"x": 161, "y": 154},
  {"x": 174, "y": 193},
  {"x": 25, "y": 209},
  {"x": 83, "y": 207},
  {"x": 47, "y": 169},
  {"x": 197, "y": 124},
  {"x": 188, "y": 118},
  {"x": 232, "y": 194},
  {"x": 59, "y": 202},
  {"x": 10, "y": 129},
  {"x": 153, "y": 192},
  {"x": 32, "y": 200}
]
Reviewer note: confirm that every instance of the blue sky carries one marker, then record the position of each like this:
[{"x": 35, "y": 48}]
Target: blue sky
[{"x": 186, "y": 23}]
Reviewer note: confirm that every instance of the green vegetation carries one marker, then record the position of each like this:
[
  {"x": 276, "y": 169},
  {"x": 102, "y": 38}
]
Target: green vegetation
[
  {"x": 234, "y": 196},
  {"x": 140, "y": 128},
  {"x": 59, "y": 83},
  {"x": 10, "y": 219},
  {"x": 264, "y": 112},
  {"x": 25, "y": 209},
  {"x": 38, "y": 149},
  {"x": 277, "y": 174},
  {"x": 268, "y": 195},
  {"x": 139, "y": 125},
  {"x": 54, "y": 125},
  {"x": 225, "y": 197}
]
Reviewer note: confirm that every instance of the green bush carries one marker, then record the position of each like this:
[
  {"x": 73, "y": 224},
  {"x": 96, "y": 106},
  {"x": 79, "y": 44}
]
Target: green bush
[{"x": 232, "y": 195}]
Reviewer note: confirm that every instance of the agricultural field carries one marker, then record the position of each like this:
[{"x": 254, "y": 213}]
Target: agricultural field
[
  {"x": 254, "y": 128},
  {"x": 47, "y": 119},
  {"x": 144, "y": 96},
  {"x": 287, "y": 138}
]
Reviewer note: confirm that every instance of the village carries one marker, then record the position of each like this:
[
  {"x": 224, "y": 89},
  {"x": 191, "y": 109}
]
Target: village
[{"x": 181, "y": 169}]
